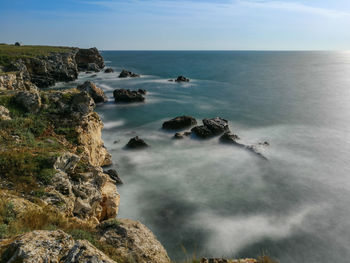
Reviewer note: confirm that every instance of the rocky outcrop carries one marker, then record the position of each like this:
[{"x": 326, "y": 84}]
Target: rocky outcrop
[
  {"x": 133, "y": 241},
  {"x": 89, "y": 59},
  {"x": 182, "y": 79},
  {"x": 126, "y": 95},
  {"x": 29, "y": 100},
  {"x": 223, "y": 260},
  {"x": 229, "y": 137},
  {"x": 4, "y": 114},
  {"x": 136, "y": 143},
  {"x": 180, "y": 122},
  {"x": 211, "y": 127},
  {"x": 52, "y": 246},
  {"x": 15, "y": 81},
  {"x": 128, "y": 74},
  {"x": 96, "y": 93}
]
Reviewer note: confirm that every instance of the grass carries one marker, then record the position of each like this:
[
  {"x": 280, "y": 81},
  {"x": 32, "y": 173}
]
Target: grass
[{"x": 10, "y": 53}]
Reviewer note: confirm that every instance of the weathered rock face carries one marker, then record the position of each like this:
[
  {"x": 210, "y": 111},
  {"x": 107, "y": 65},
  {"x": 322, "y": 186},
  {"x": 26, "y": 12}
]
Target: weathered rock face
[
  {"x": 128, "y": 74},
  {"x": 179, "y": 122},
  {"x": 82, "y": 103},
  {"x": 123, "y": 95},
  {"x": 132, "y": 240},
  {"x": 45, "y": 71},
  {"x": 53, "y": 247},
  {"x": 96, "y": 93},
  {"x": 29, "y": 100},
  {"x": 136, "y": 143},
  {"x": 4, "y": 113},
  {"x": 91, "y": 195},
  {"x": 89, "y": 59},
  {"x": 15, "y": 81}
]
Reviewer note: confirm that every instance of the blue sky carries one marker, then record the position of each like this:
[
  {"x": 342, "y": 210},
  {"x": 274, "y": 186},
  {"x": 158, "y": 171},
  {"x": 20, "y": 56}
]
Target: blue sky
[{"x": 179, "y": 25}]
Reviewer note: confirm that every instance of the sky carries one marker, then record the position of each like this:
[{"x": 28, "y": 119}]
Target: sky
[{"x": 179, "y": 25}]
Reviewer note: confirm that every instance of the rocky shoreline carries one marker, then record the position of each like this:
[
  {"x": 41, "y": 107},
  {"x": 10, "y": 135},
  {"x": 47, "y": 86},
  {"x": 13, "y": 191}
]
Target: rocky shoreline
[{"x": 69, "y": 212}]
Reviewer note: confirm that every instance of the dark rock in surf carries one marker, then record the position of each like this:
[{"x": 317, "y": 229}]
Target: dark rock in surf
[
  {"x": 179, "y": 122},
  {"x": 126, "y": 74},
  {"x": 113, "y": 174},
  {"x": 142, "y": 91},
  {"x": 89, "y": 60},
  {"x": 181, "y": 135},
  {"x": 96, "y": 93},
  {"x": 123, "y": 95},
  {"x": 211, "y": 127},
  {"x": 109, "y": 70},
  {"x": 136, "y": 143},
  {"x": 229, "y": 137},
  {"x": 202, "y": 132},
  {"x": 182, "y": 79}
]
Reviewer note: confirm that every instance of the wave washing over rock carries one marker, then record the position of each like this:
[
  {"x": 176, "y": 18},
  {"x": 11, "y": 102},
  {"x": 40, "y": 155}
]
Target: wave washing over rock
[{"x": 56, "y": 202}]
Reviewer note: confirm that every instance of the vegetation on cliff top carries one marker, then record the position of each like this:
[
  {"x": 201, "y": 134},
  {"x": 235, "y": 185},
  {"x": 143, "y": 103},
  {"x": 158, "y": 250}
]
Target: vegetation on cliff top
[{"x": 10, "y": 53}]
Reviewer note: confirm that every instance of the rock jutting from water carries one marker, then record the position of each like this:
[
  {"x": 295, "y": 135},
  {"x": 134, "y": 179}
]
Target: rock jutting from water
[
  {"x": 128, "y": 74},
  {"x": 136, "y": 143},
  {"x": 114, "y": 175},
  {"x": 126, "y": 95},
  {"x": 96, "y": 93},
  {"x": 211, "y": 127},
  {"x": 182, "y": 79},
  {"x": 109, "y": 70},
  {"x": 180, "y": 122}
]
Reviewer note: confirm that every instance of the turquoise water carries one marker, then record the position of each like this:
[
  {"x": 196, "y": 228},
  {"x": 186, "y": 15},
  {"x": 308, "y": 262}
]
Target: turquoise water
[{"x": 217, "y": 200}]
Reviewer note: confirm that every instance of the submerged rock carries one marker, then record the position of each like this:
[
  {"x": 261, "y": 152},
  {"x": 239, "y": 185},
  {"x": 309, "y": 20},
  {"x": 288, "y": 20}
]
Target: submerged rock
[
  {"x": 43, "y": 246},
  {"x": 181, "y": 135},
  {"x": 113, "y": 174},
  {"x": 123, "y": 95},
  {"x": 126, "y": 74},
  {"x": 132, "y": 241},
  {"x": 182, "y": 79},
  {"x": 136, "y": 143},
  {"x": 229, "y": 137},
  {"x": 109, "y": 70},
  {"x": 96, "y": 93},
  {"x": 179, "y": 122},
  {"x": 29, "y": 100}
]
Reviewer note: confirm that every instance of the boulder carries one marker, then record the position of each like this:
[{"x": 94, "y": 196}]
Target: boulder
[
  {"x": 82, "y": 103},
  {"x": 132, "y": 241},
  {"x": 216, "y": 125},
  {"x": 109, "y": 70},
  {"x": 123, "y": 95},
  {"x": 29, "y": 100},
  {"x": 4, "y": 114},
  {"x": 136, "y": 143},
  {"x": 43, "y": 246},
  {"x": 182, "y": 79},
  {"x": 96, "y": 93},
  {"x": 179, "y": 122},
  {"x": 126, "y": 74},
  {"x": 113, "y": 174}
]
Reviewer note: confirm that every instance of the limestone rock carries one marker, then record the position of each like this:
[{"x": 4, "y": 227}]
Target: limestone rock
[
  {"x": 113, "y": 174},
  {"x": 136, "y": 143},
  {"x": 29, "y": 100},
  {"x": 126, "y": 95},
  {"x": 96, "y": 93},
  {"x": 4, "y": 113},
  {"x": 132, "y": 240},
  {"x": 53, "y": 247},
  {"x": 82, "y": 103},
  {"x": 126, "y": 74},
  {"x": 179, "y": 122},
  {"x": 66, "y": 162}
]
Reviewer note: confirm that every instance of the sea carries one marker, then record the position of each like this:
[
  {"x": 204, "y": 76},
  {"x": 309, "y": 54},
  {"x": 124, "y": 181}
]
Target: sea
[{"x": 202, "y": 198}]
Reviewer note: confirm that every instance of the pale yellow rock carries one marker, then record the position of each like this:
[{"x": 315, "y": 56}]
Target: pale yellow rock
[{"x": 110, "y": 200}]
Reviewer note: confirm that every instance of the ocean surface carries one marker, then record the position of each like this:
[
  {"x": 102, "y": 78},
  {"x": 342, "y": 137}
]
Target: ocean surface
[{"x": 213, "y": 200}]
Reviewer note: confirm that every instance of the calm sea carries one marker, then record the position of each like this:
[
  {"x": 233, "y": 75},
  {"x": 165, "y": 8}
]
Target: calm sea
[{"x": 216, "y": 200}]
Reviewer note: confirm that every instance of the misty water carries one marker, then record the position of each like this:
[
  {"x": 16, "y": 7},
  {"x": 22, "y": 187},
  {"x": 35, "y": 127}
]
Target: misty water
[{"x": 217, "y": 200}]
